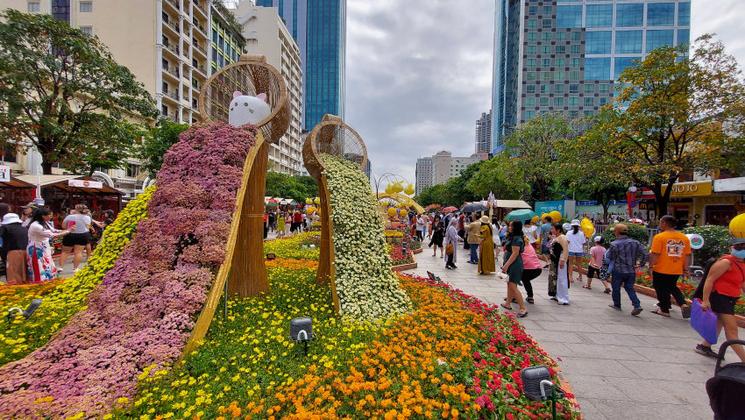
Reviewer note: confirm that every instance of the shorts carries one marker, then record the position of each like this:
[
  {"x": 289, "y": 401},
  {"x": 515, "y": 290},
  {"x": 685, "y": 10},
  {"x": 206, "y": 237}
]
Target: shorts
[
  {"x": 593, "y": 272},
  {"x": 515, "y": 273},
  {"x": 576, "y": 254},
  {"x": 722, "y": 304},
  {"x": 80, "y": 239}
]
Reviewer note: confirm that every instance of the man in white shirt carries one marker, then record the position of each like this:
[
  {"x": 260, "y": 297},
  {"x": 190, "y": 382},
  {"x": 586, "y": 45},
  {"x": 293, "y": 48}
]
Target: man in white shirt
[
  {"x": 531, "y": 231},
  {"x": 577, "y": 240}
]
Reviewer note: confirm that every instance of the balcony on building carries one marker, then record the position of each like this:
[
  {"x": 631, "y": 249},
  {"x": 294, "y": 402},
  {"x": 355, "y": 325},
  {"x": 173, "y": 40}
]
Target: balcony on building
[
  {"x": 200, "y": 8},
  {"x": 199, "y": 29},
  {"x": 171, "y": 70},
  {"x": 170, "y": 92},
  {"x": 171, "y": 24},
  {"x": 172, "y": 5},
  {"x": 171, "y": 47},
  {"x": 201, "y": 69}
]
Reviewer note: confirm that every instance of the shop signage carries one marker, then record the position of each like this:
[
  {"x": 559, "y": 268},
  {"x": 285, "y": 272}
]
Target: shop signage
[
  {"x": 549, "y": 206},
  {"x": 587, "y": 203},
  {"x": 697, "y": 241},
  {"x": 690, "y": 189},
  {"x": 4, "y": 173},
  {"x": 84, "y": 183}
]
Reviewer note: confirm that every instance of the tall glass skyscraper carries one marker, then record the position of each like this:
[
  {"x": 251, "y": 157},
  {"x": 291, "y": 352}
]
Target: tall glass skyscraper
[
  {"x": 564, "y": 55},
  {"x": 319, "y": 28}
]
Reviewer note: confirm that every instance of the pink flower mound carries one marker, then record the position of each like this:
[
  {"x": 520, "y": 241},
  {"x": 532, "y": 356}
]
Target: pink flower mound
[{"x": 143, "y": 312}]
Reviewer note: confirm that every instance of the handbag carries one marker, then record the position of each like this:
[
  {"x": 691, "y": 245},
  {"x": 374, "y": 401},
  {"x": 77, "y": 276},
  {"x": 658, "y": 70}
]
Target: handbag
[
  {"x": 704, "y": 322},
  {"x": 449, "y": 249}
]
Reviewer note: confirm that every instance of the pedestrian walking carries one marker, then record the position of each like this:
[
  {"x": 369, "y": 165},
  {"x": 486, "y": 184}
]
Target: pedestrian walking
[
  {"x": 597, "y": 255},
  {"x": 669, "y": 258},
  {"x": 531, "y": 270},
  {"x": 560, "y": 260},
  {"x": 288, "y": 224},
  {"x": 280, "y": 225},
  {"x": 625, "y": 254},
  {"x": 486, "y": 262},
  {"x": 495, "y": 238},
  {"x": 78, "y": 222},
  {"x": 15, "y": 241},
  {"x": 451, "y": 244},
  {"x": 531, "y": 232},
  {"x": 577, "y": 240},
  {"x": 438, "y": 236},
  {"x": 41, "y": 266},
  {"x": 513, "y": 267},
  {"x": 723, "y": 287},
  {"x": 473, "y": 237},
  {"x": 419, "y": 227},
  {"x": 546, "y": 237}
]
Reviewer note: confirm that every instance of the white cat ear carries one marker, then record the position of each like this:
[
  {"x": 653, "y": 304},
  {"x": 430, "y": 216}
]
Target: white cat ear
[
  {"x": 262, "y": 96},
  {"x": 236, "y": 94}
]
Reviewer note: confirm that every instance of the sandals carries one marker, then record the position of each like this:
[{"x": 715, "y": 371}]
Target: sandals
[
  {"x": 529, "y": 300},
  {"x": 509, "y": 308},
  {"x": 658, "y": 311},
  {"x": 522, "y": 314}
]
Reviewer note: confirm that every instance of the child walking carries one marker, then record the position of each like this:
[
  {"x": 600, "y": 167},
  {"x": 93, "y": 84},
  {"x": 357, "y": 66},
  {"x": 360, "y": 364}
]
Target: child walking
[{"x": 597, "y": 253}]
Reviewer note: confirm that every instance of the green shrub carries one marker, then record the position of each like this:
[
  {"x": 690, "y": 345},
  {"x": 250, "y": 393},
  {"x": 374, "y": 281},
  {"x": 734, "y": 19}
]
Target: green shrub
[
  {"x": 716, "y": 242},
  {"x": 637, "y": 232}
]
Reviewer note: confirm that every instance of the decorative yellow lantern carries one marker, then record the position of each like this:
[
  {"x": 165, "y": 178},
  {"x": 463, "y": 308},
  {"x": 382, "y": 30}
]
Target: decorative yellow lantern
[
  {"x": 397, "y": 187},
  {"x": 308, "y": 201},
  {"x": 587, "y": 227},
  {"x": 392, "y": 212},
  {"x": 534, "y": 219},
  {"x": 310, "y": 209},
  {"x": 403, "y": 212},
  {"x": 737, "y": 226},
  {"x": 555, "y": 216},
  {"x": 317, "y": 201},
  {"x": 409, "y": 189}
]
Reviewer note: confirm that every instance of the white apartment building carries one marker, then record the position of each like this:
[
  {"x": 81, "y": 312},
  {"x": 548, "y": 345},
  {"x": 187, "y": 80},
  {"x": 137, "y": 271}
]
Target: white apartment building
[
  {"x": 267, "y": 35},
  {"x": 441, "y": 167},
  {"x": 164, "y": 43}
]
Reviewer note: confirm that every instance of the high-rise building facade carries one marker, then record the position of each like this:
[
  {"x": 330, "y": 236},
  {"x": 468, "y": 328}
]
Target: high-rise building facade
[
  {"x": 483, "y": 133},
  {"x": 565, "y": 55},
  {"x": 441, "y": 167},
  {"x": 227, "y": 43},
  {"x": 319, "y": 27},
  {"x": 423, "y": 174},
  {"x": 266, "y": 34}
]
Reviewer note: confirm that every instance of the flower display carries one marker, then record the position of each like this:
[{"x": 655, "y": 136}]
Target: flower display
[
  {"x": 366, "y": 286},
  {"x": 63, "y": 299},
  {"x": 300, "y": 246},
  {"x": 142, "y": 313}
]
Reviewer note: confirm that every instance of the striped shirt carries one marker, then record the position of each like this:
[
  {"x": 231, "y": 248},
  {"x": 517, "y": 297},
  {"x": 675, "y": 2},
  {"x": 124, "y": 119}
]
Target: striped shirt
[{"x": 624, "y": 253}]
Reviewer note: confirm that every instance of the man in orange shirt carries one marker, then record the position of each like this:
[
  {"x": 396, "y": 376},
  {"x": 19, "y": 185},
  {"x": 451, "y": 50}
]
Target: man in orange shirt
[{"x": 669, "y": 258}]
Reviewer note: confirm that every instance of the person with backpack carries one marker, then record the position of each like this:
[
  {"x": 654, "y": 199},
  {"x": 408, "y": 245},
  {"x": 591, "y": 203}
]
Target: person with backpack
[
  {"x": 723, "y": 285},
  {"x": 669, "y": 258}
]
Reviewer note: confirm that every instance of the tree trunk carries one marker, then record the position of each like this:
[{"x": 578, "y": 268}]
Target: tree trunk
[{"x": 46, "y": 166}]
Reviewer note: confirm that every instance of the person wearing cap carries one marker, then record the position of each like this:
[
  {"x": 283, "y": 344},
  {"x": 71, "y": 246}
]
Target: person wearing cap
[
  {"x": 487, "y": 265},
  {"x": 577, "y": 240},
  {"x": 723, "y": 287},
  {"x": 669, "y": 258},
  {"x": 625, "y": 254},
  {"x": 15, "y": 240},
  {"x": 597, "y": 254}
]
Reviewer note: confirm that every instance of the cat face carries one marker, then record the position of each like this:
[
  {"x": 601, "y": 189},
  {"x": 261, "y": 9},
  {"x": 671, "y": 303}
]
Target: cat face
[{"x": 246, "y": 109}]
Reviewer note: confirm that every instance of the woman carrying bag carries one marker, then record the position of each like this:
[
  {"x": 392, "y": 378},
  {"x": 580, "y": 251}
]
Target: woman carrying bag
[{"x": 451, "y": 242}]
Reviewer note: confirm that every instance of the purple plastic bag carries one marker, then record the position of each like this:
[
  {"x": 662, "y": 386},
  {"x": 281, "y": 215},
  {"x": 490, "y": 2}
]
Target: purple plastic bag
[{"x": 704, "y": 322}]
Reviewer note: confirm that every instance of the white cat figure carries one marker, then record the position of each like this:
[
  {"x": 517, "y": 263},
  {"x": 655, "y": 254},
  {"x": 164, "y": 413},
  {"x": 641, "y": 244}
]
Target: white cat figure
[{"x": 246, "y": 109}]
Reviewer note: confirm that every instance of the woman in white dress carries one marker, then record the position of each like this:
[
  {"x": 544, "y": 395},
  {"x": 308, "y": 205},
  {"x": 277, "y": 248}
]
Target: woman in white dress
[{"x": 41, "y": 266}]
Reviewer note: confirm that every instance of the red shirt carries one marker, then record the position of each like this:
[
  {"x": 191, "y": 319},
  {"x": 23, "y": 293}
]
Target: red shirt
[
  {"x": 297, "y": 218},
  {"x": 730, "y": 283}
]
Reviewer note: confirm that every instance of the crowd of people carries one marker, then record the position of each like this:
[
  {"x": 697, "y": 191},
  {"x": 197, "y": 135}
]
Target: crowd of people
[
  {"x": 527, "y": 249},
  {"x": 287, "y": 222},
  {"x": 26, "y": 240}
]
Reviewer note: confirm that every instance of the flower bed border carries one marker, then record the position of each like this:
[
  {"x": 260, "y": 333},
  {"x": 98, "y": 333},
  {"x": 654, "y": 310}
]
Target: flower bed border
[
  {"x": 417, "y": 251},
  {"x": 404, "y": 267},
  {"x": 648, "y": 291}
]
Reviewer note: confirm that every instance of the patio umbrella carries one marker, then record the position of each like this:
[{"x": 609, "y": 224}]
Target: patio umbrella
[
  {"x": 474, "y": 207},
  {"x": 449, "y": 209},
  {"x": 521, "y": 215}
]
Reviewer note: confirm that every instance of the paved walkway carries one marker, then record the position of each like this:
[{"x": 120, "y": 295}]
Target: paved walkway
[{"x": 620, "y": 366}]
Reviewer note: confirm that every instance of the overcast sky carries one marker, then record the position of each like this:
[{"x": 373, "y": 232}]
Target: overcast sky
[{"x": 419, "y": 72}]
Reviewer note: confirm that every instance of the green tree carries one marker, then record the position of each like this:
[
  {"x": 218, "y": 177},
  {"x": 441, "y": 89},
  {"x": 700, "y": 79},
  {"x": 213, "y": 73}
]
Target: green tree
[
  {"x": 62, "y": 93},
  {"x": 532, "y": 146},
  {"x": 673, "y": 115},
  {"x": 499, "y": 175},
  {"x": 432, "y": 195},
  {"x": 157, "y": 142},
  {"x": 297, "y": 188}
]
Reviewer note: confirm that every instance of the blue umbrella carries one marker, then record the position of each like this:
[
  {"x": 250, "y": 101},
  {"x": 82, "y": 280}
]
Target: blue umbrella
[{"x": 521, "y": 215}]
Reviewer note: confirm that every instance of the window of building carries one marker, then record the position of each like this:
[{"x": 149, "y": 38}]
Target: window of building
[
  {"x": 530, "y": 63},
  {"x": 684, "y": 14},
  {"x": 546, "y": 49},
  {"x": 684, "y": 37},
  {"x": 598, "y": 42},
  {"x": 547, "y": 23},
  {"x": 214, "y": 35},
  {"x": 559, "y": 101},
  {"x": 546, "y": 62},
  {"x": 599, "y": 15},
  {"x": 86, "y": 6},
  {"x": 589, "y": 101},
  {"x": 573, "y": 101},
  {"x": 559, "y": 62},
  {"x": 533, "y": 10},
  {"x": 559, "y": 88},
  {"x": 589, "y": 88},
  {"x": 88, "y": 30},
  {"x": 603, "y": 101},
  {"x": 9, "y": 153},
  {"x": 33, "y": 7},
  {"x": 660, "y": 14},
  {"x": 575, "y": 62},
  {"x": 544, "y": 101},
  {"x": 133, "y": 171},
  {"x": 576, "y": 36},
  {"x": 546, "y": 36},
  {"x": 532, "y": 49},
  {"x": 544, "y": 88},
  {"x": 561, "y": 36},
  {"x": 532, "y": 36},
  {"x": 660, "y": 38},
  {"x": 574, "y": 75},
  {"x": 622, "y": 63},
  {"x": 548, "y": 10},
  {"x": 629, "y": 15},
  {"x": 569, "y": 16},
  {"x": 560, "y": 75},
  {"x": 546, "y": 76},
  {"x": 165, "y": 87},
  {"x": 573, "y": 88},
  {"x": 575, "y": 49},
  {"x": 530, "y": 89},
  {"x": 561, "y": 49},
  {"x": 628, "y": 42},
  {"x": 164, "y": 110},
  {"x": 603, "y": 88},
  {"x": 530, "y": 101},
  {"x": 531, "y": 75},
  {"x": 532, "y": 23},
  {"x": 529, "y": 114}
]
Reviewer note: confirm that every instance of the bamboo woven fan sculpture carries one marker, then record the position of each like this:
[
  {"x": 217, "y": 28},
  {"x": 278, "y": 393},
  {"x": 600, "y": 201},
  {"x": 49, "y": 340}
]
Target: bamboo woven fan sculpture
[
  {"x": 331, "y": 136},
  {"x": 250, "y": 75}
]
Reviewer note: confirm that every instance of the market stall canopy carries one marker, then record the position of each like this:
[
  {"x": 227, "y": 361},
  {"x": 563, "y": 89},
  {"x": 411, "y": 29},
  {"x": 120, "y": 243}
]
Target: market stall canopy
[
  {"x": 512, "y": 204},
  {"x": 16, "y": 183},
  {"x": 86, "y": 185}
]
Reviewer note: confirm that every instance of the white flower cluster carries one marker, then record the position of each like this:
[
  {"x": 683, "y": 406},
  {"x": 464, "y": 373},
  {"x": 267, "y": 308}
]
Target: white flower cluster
[{"x": 367, "y": 288}]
